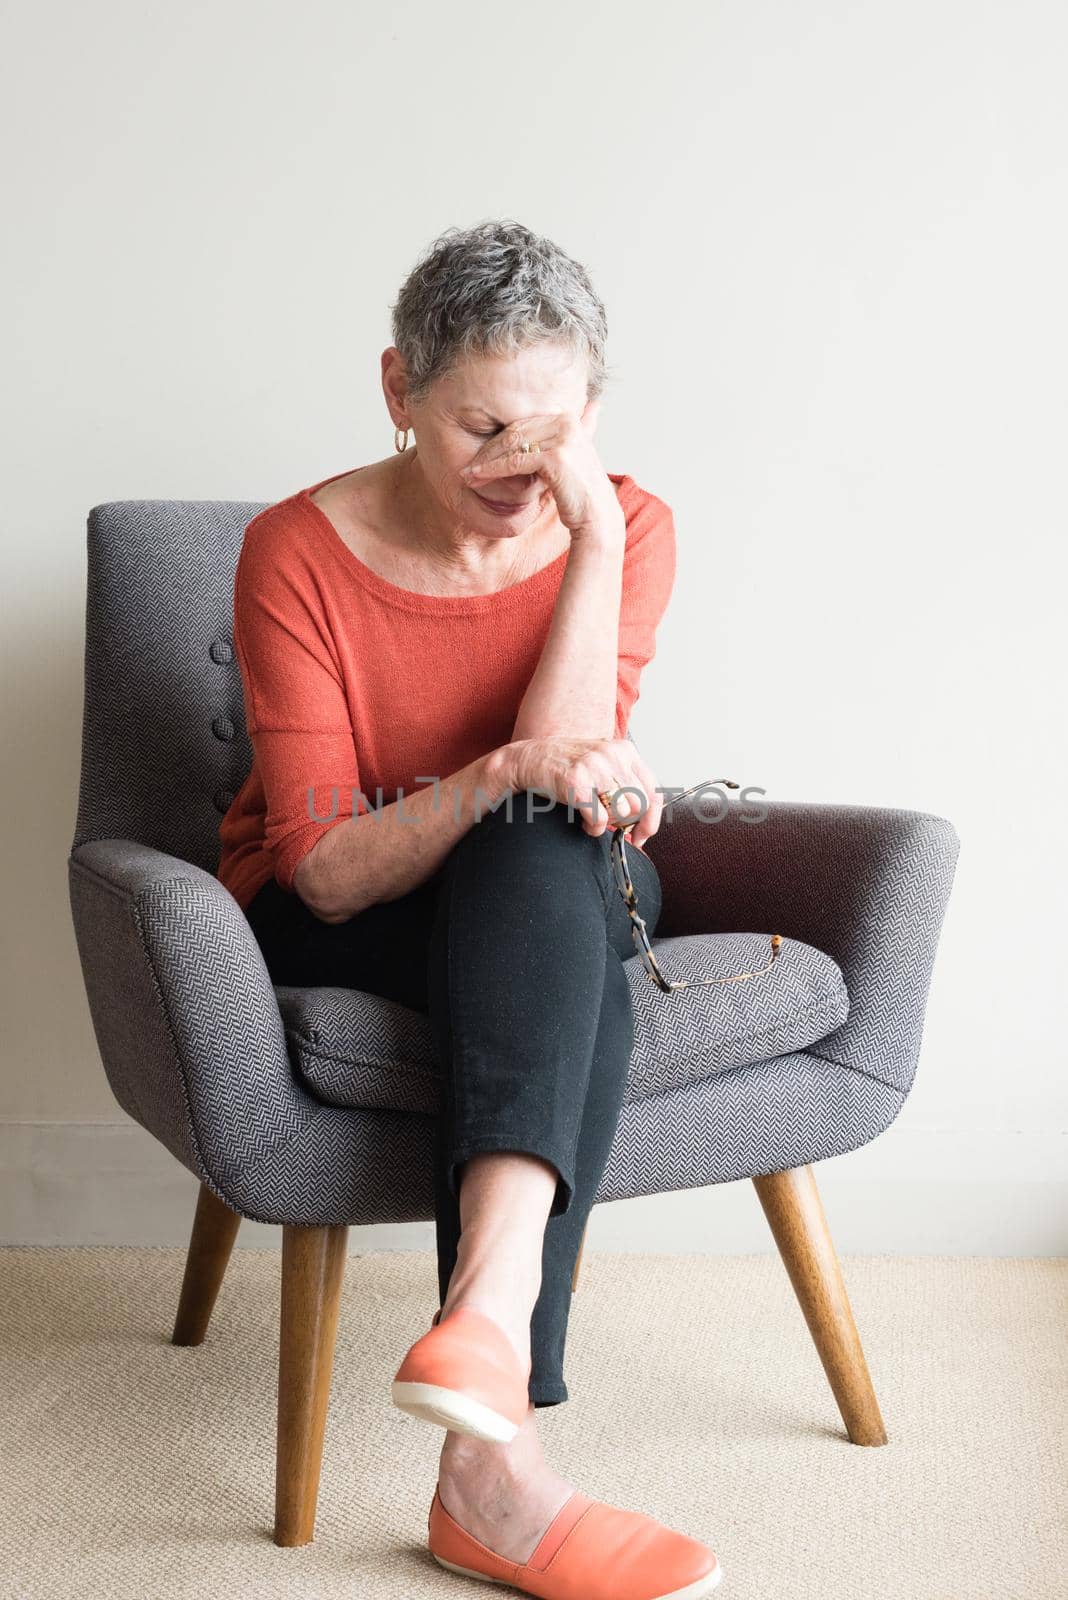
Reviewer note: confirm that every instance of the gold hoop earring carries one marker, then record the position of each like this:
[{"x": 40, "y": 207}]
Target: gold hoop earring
[{"x": 397, "y": 445}]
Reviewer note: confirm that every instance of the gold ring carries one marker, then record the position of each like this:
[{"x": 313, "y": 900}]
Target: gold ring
[{"x": 529, "y": 449}]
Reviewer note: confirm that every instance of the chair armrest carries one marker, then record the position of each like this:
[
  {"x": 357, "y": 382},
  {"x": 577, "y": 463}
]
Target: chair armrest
[
  {"x": 184, "y": 1012},
  {"x": 868, "y": 885}
]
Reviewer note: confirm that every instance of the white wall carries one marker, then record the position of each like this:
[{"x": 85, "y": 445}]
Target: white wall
[{"x": 831, "y": 240}]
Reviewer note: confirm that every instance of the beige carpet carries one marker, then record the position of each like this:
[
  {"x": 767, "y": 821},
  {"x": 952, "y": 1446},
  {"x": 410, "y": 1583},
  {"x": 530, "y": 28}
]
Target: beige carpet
[{"x": 136, "y": 1469}]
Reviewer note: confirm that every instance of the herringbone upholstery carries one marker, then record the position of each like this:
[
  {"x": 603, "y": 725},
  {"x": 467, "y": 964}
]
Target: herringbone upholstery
[
  {"x": 203, "y": 1052},
  {"x": 355, "y": 1049}
]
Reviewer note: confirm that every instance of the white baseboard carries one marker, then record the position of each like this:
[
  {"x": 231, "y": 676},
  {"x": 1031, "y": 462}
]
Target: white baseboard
[{"x": 914, "y": 1191}]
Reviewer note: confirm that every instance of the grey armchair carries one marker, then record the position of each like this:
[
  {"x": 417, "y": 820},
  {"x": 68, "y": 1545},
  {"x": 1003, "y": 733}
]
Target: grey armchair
[{"x": 313, "y": 1108}]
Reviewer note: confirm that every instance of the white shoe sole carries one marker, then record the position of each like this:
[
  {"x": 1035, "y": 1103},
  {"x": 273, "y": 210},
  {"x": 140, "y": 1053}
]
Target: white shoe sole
[
  {"x": 692, "y": 1591},
  {"x": 450, "y": 1408}
]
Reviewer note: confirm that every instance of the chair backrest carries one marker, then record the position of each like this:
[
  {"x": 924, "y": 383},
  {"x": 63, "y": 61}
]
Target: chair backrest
[{"x": 164, "y": 744}]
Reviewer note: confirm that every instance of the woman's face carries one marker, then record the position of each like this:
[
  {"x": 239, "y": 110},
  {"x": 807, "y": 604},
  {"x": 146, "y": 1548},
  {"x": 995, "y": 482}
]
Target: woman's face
[{"x": 469, "y": 407}]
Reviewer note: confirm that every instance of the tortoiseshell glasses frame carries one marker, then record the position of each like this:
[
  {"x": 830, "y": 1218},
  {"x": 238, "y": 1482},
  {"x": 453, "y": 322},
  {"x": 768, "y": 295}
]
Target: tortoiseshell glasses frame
[{"x": 638, "y": 930}]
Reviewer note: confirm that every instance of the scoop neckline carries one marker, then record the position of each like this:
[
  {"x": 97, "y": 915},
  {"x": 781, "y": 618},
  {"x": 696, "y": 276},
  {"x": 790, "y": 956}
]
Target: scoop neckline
[{"x": 414, "y": 599}]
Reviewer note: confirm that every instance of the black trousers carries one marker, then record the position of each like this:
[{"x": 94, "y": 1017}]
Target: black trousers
[{"x": 514, "y": 949}]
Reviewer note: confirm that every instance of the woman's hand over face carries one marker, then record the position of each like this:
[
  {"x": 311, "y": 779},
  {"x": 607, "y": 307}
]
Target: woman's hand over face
[
  {"x": 573, "y": 770},
  {"x": 567, "y": 464}
]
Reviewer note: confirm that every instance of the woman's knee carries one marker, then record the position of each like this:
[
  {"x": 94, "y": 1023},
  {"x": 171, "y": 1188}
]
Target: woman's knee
[
  {"x": 541, "y": 859},
  {"x": 528, "y": 820}
]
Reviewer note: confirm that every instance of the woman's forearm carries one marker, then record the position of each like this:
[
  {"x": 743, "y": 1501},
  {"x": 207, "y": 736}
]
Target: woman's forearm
[
  {"x": 390, "y": 850},
  {"x": 573, "y": 690}
]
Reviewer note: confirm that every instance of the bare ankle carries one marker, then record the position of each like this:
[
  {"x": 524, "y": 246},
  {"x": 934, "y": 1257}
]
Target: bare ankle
[{"x": 493, "y": 1478}]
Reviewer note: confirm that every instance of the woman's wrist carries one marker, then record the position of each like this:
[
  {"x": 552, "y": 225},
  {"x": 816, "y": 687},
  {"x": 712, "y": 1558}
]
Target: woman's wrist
[
  {"x": 607, "y": 536},
  {"x": 499, "y": 772}
]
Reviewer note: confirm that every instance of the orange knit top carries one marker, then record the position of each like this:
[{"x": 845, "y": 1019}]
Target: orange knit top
[{"x": 356, "y": 690}]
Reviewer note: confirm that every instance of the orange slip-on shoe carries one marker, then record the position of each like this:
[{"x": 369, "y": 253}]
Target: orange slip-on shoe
[
  {"x": 590, "y": 1551},
  {"x": 465, "y": 1374}
]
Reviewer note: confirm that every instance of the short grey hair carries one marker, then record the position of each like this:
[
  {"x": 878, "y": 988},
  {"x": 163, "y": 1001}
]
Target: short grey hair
[{"x": 493, "y": 289}]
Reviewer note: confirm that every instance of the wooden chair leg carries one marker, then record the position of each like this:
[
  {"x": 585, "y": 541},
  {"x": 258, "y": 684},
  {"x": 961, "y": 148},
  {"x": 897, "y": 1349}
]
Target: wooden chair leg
[
  {"x": 795, "y": 1214},
  {"x": 313, "y": 1266},
  {"x": 215, "y": 1228},
  {"x": 578, "y": 1258}
]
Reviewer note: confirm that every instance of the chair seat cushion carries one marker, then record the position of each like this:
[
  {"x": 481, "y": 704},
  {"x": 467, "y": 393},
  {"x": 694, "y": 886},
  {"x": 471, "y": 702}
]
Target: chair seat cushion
[{"x": 358, "y": 1049}]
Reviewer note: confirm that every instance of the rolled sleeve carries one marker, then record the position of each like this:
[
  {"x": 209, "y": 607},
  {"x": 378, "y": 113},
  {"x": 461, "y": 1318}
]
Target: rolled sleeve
[
  {"x": 297, "y": 713},
  {"x": 311, "y": 784}
]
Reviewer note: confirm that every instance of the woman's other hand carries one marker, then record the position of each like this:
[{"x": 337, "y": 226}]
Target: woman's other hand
[
  {"x": 574, "y": 770},
  {"x": 567, "y": 463}
]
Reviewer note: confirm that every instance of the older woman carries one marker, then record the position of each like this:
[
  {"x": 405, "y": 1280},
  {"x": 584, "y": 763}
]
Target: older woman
[{"x": 459, "y": 631}]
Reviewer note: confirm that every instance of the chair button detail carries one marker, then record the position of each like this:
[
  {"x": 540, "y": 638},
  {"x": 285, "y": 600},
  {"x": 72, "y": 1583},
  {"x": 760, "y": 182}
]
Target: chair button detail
[
  {"x": 222, "y": 728},
  {"x": 221, "y": 650},
  {"x": 223, "y": 799}
]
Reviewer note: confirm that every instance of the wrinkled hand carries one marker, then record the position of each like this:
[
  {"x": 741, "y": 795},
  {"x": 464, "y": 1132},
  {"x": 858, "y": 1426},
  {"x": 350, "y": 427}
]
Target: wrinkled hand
[
  {"x": 574, "y": 770},
  {"x": 567, "y": 463}
]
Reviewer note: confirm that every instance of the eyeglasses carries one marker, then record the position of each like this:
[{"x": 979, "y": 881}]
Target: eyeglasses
[{"x": 640, "y": 934}]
